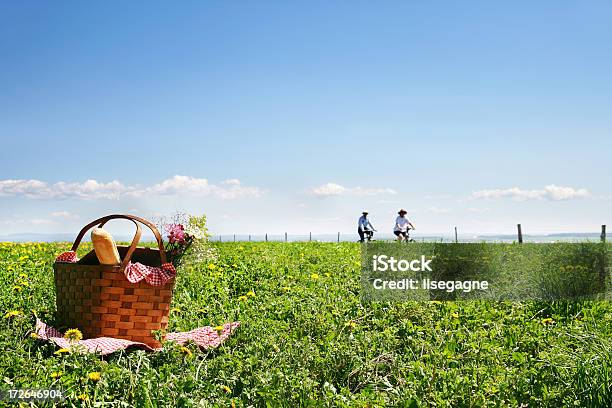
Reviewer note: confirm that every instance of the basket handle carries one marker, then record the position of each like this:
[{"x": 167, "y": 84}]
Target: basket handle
[{"x": 101, "y": 221}]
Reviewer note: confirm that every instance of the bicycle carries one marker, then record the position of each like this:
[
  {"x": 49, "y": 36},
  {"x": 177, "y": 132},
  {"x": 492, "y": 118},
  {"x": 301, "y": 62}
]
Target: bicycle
[
  {"x": 405, "y": 235},
  {"x": 367, "y": 235}
]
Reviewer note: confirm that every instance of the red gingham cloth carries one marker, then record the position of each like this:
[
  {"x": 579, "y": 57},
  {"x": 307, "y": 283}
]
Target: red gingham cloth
[
  {"x": 205, "y": 337},
  {"x": 69, "y": 257},
  {"x": 155, "y": 276},
  {"x": 134, "y": 272}
]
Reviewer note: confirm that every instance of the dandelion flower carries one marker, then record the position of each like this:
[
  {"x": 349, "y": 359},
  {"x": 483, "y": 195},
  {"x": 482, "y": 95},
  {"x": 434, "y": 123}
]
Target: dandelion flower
[
  {"x": 17, "y": 288},
  {"x": 314, "y": 276},
  {"x": 243, "y": 298},
  {"x": 12, "y": 313},
  {"x": 351, "y": 324},
  {"x": 83, "y": 397},
  {"x": 175, "y": 310},
  {"x": 62, "y": 351},
  {"x": 212, "y": 267},
  {"x": 185, "y": 351},
  {"x": 455, "y": 315},
  {"x": 547, "y": 321},
  {"x": 250, "y": 293},
  {"x": 56, "y": 374},
  {"x": 219, "y": 328},
  {"x": 286, "y": 289},
  {"x": 226, "y": 389},
  {"x": 94, "y": 376},
  {"x": 73, "y": 335},
  {"x": 34, "y": 336}
]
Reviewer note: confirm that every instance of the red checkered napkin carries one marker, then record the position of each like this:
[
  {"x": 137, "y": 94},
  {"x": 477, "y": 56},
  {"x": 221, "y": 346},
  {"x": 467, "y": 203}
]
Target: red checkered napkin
[
  {"x": 205, "y": 337},
  {"x": 153, "y": 275},
  {"x": 134, "y": 272}
]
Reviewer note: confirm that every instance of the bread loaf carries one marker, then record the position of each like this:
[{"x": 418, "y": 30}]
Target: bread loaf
[{"x": 105, "y": 247}]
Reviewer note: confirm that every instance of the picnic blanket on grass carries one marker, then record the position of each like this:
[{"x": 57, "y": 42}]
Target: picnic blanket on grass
[{"x": 205, "y": 337}]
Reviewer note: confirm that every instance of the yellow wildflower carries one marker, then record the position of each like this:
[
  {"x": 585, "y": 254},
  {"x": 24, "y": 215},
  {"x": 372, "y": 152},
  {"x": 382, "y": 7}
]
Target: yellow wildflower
[
  {"x": 17, "y": 288},
  {"x": 286, "y": 289},
  {"x": 350, "y": 324},
  {"x": 547, "y": 321},
  {"x": 12, "y": 313},
  {"x": 34, "y": 336},
  {"x": 56, "y": 374},
  {"x": 73, "y": 335},
  {"x": 83, "y": 397},
  {"x": 226, "y": 389},
  {"x": 212, "y": 266},
  {"x": 62, "y": 351},
  {"x": 219, "y": 328},
  {"x": 185, "y": 351},
  {"x": 242, "y": 298},
  {"x": 175, "y": 310},
  {"x": 314, "y": 276},
  {"x": 250, "y": 293},
  {"x": 94, "y": 376}
]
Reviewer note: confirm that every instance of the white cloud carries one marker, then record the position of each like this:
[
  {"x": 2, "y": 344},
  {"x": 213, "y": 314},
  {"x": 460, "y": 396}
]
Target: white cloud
[
  {"x": 92, "y": 189},
  {"x": 550, "y": 192},
  {"x": 437, "y": 210},
  {"x": 65, "y": 215},
  {"x": 37, "y": 189},
  {"x": 26, "y": 222},
  {"x": 177, "y": 185},
  {"x": 333, "y": 189}
]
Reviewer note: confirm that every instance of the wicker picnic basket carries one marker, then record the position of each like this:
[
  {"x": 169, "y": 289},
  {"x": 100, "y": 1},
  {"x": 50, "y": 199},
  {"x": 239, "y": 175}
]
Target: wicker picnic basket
[{"x": 101, "y": 302}]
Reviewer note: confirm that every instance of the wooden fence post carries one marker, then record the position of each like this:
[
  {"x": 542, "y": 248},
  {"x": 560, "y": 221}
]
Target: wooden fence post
[
  {"x": 310, "y": 236},
  {"x": 456, "y": 240},
  {"x": 285, "y": 237},
  {"x": 266, "y": 237},
  {"x": 338, "y": 237},
  {"x": 603, "y": 233},
  {"x": 520, "y": 234}
]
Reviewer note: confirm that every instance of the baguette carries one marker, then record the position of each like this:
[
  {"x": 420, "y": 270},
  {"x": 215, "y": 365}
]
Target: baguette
[{"x": 105, "y": 247}]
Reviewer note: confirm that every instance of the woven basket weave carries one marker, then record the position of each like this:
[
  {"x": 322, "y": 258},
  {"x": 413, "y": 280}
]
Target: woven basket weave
[{"x": 101, "y": 302}]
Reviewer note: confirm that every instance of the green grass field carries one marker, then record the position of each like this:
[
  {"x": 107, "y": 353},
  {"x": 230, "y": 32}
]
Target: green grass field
[{"x": 307, "y": 339}]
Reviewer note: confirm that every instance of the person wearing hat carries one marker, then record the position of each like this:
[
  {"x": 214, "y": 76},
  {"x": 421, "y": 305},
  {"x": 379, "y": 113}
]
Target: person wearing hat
[
  {"x": 363, "y": 227},
  {"x": 402, "y": 225}
]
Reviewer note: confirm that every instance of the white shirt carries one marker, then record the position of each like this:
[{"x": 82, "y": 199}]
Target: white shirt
[
  {"x": 401, "y": 224},
  {"x": 364, "y": 223}
]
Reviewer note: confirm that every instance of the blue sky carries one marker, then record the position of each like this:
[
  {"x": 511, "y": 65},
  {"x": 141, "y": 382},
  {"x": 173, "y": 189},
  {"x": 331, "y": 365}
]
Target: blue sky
[{"x": 293, "y": 116}]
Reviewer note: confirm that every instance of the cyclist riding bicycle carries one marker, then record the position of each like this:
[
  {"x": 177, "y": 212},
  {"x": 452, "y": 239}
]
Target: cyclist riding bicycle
[
  {"x": 402, "y": 226},
  {"x": 365, "y": 229}
]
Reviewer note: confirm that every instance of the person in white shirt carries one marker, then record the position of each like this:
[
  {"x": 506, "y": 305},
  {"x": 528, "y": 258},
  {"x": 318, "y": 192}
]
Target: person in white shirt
[
  {"x": 402, "y": 225},
  {"x": 364, "y": 227}
]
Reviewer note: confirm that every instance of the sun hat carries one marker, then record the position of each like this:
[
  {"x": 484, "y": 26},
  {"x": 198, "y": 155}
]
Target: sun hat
[
  {"x": 402, "y": 211},
  {"x": 365, "y": 212}
]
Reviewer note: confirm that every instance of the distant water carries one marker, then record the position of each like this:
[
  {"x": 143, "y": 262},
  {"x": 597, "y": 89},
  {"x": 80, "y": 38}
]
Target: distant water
[
  {"x": 348, "y": 237},
  {"x": 344, "y": 237}
]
